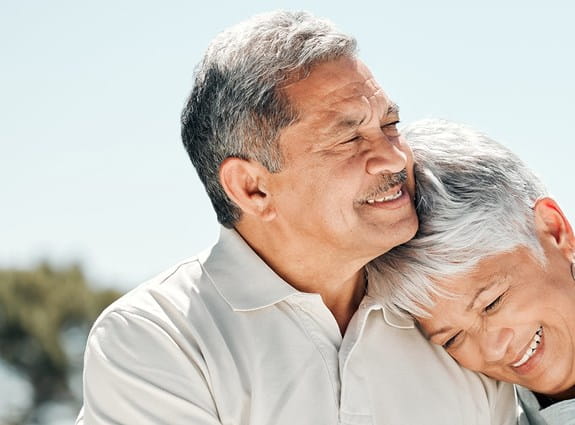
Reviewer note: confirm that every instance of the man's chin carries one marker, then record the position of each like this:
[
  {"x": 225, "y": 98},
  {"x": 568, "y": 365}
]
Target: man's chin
[{"x": 406, "y": 230}]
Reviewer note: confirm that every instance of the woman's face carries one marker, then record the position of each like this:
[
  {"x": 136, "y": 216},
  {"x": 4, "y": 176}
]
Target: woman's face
[{"x": 512, "y": 319}]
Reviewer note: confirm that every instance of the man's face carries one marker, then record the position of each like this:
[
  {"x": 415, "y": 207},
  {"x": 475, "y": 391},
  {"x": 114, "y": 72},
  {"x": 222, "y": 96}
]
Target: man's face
[
  {"x": 512, "y": 319},
  {"x": 339, "y": 189}
]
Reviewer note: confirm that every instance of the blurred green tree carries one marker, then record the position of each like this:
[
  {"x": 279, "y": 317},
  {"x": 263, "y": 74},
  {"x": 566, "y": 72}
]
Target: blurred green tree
[{"x": 38, "y": 308}]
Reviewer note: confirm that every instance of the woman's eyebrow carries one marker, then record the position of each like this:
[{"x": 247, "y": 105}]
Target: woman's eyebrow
[
  {"x": 495, "y": 279},
  {"x": 479, "y": 292},
  {"x": 437, "y": 332}
]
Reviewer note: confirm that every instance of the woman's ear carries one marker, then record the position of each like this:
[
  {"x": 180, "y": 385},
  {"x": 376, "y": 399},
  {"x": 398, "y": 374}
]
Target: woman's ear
[
  {"x": 244, "y": 181},
  {"x": 552, "y": 224}
]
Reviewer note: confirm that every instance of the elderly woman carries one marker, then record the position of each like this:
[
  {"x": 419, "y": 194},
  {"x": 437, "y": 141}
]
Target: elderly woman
[{"x": 490, "y": 276}]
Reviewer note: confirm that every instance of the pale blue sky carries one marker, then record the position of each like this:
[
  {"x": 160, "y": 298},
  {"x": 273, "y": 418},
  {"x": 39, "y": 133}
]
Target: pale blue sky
[{"x": 91, "y": 163}]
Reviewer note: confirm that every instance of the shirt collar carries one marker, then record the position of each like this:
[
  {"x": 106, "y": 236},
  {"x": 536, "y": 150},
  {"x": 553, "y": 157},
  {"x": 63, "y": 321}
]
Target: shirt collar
[
  {"x": 390, "y": 317},
  {"x": 242, "y": 278}
]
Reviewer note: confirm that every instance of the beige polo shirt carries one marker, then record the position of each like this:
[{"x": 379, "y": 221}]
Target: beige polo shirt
[{"x": 221, "y": 339}]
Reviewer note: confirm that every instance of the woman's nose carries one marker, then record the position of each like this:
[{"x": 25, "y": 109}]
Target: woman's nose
[{"x": 494, "y": 343}]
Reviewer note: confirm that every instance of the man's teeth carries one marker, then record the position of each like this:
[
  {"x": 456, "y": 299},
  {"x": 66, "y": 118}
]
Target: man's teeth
[
  {"x": 386, "y": 198},
  {"x": 531, "y": 349}
]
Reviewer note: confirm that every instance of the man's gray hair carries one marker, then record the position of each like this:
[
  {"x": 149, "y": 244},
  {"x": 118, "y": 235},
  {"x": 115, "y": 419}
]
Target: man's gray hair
[
  {"x": 474, "y": 198},
  {"x": 237, "y": 107}
]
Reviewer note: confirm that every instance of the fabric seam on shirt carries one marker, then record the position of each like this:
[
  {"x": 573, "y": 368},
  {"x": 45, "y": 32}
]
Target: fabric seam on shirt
[{"x": 312, "y": 339}]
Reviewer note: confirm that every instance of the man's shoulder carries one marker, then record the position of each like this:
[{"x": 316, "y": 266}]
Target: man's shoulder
[
  {"x": 183, "y": 291},
  {"x": 179, "y": 279}
]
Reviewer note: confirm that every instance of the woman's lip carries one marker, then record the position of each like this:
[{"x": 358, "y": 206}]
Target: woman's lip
[
  {"x": 527, "y": 351},
  {"x": 534, "y": 360}
]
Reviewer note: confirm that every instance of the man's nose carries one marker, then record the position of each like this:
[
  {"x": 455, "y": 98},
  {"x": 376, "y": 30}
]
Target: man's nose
[
  {"x": 495, "y": 343},
  {"x": 386, "y": 156}
]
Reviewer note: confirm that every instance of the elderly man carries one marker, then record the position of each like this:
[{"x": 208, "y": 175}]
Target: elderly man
[{"x": 298, "y": 148}]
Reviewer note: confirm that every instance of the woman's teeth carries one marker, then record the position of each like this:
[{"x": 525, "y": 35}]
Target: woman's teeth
[
  {"x": 386, "y": 198},
  {"x": 531, "y": 349}
]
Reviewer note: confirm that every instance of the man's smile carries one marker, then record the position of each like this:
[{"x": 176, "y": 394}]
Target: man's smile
[{"x": 386, "y": 198}]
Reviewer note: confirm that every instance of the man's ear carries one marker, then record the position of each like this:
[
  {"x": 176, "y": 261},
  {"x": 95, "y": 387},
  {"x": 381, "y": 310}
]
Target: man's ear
[
  {"x": 245, "y": 184},
  {"x": 552, "y": 224}
]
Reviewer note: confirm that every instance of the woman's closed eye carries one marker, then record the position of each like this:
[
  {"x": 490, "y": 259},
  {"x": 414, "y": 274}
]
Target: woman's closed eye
[
  {"x": 492, "y": 306},
  {"x": 449, "y": 343}
]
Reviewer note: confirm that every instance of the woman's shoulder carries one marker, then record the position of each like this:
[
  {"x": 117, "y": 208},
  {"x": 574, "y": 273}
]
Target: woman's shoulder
[{"x": 561, "y": 413}]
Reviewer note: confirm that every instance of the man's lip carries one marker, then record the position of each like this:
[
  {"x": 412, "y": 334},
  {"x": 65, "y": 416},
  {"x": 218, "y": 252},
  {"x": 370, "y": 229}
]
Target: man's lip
[
  {"x": 391, "y": 191},
  {"x": 394, "y": 204}
]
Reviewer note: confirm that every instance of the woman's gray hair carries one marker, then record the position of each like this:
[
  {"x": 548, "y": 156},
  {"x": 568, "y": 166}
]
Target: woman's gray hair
[
  {"x": 474, "y": 198},
  {"x": 237, "y": 107}
]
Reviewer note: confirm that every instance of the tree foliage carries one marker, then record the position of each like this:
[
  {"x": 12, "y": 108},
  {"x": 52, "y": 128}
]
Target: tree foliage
[{"x": 37, "y": 307}]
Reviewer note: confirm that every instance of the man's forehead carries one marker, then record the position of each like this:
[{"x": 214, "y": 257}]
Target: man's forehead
[
  {"x": 344, "y": 106},
  {"x": 334, "y": 81},
  {"x": 337, "y": 96},
  {"x": 337, "y": 91}
]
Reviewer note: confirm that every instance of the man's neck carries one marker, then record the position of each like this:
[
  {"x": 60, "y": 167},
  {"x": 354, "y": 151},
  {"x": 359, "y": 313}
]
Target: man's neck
[
  {"x": 341, "y": 292},
  {"x": 343, "y": 300},
  {"x": 341, "y": 282}
]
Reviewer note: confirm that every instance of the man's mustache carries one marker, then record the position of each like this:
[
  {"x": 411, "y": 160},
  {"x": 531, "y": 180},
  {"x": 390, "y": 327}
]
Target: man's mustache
[{"x": 387, "y": 182}]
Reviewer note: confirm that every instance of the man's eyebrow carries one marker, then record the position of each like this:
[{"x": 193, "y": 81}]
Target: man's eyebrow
[
  {"x": 342, "y": 125},
  {"x": 350, "y": 123},
  {"x": 393, "y": 108}
]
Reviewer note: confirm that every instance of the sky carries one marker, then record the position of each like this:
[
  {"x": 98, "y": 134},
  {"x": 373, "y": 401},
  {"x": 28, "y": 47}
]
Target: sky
[{"x": 92, "y": 169}]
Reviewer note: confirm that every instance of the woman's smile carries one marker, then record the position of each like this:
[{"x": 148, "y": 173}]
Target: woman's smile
[{"x": 525, "y": 362}]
